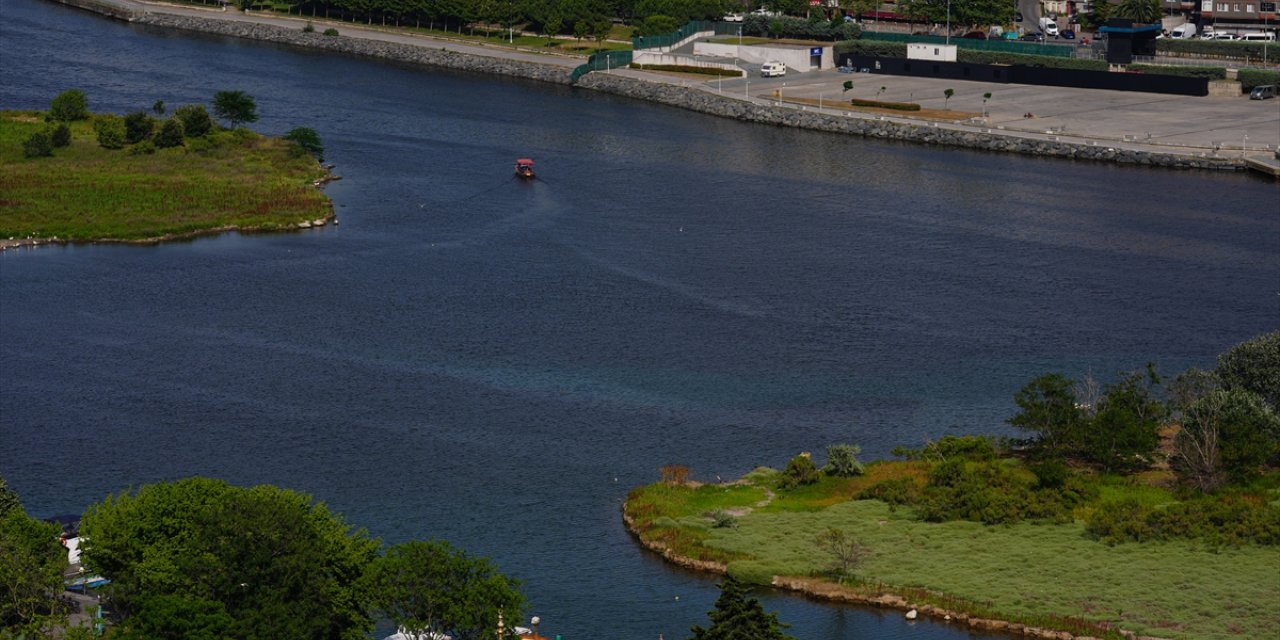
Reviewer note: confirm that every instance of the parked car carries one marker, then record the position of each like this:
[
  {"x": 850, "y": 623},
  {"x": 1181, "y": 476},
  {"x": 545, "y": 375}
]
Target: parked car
[
  {"x": 1068, "y": 34},
  {"x": 975, "y": 35},
  {"x": 1033, "y": 37},
  {"x": 1017, "y": 16},
  {"x": 1051, "y": 29},
  {"x": 1258, "y": 36},
  {"x": 1263, "y": 92},
  {"x": 773, "y": 69},
  {"x": 733, "y": 17},
  {"x": 846, "y": 69},
  {"x": 1225, "y": 36}
]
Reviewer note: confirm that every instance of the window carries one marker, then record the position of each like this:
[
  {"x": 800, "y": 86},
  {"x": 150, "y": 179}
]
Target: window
[{"x": 1248, "y": 8}]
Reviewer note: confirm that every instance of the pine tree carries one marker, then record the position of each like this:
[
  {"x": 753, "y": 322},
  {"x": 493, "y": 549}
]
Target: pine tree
[{"x": 738, "y": 616}]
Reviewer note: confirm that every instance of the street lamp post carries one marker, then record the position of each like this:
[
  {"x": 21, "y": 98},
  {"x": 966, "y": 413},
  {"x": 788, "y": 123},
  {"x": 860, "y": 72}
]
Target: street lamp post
[{"x": 948, "y": 21}]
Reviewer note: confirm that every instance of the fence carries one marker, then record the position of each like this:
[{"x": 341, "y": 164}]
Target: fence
[
  {"x": 1006, "y": 46},
  {"x": 603, "y": 60},
  {"x": 670, "y": 39}
]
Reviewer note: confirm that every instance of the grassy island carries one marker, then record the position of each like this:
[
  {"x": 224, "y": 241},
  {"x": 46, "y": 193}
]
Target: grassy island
[
  {"x": 84, "y": 191},
  {"x": 1049, "y": 537}
]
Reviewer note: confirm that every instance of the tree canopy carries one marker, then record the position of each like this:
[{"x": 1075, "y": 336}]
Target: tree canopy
[
  {"x": 31, "y": 567},
  {"x": 236, "y": 107},
  {"x": 738, "y": 616}
]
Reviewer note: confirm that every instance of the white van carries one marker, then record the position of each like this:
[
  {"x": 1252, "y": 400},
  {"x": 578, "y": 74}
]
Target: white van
[
  {"x": 1258, "y": 36},
  {"x": 1187, "y": 30},
  {"x": 772, "y": 69}
]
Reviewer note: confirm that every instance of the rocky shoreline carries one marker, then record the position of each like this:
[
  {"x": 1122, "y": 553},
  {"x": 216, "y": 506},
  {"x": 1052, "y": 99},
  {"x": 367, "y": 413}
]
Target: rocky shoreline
[
  {"x": 669, "y": 94},
  {"x": 823, "y": 590}
]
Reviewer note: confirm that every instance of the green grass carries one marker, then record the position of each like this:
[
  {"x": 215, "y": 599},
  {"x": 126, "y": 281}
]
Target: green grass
[
  {"x": 86, "y": 192},
  {"x": 1040, "y": 574}
]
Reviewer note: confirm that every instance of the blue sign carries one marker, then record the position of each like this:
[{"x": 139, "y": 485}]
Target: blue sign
[{"x": 815, "y": 51}]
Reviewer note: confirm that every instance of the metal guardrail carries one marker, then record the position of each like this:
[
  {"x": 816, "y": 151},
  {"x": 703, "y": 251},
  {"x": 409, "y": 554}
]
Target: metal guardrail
[
  {"x": 1005, "y": 46},
  {"x": 604, "y": 60}
]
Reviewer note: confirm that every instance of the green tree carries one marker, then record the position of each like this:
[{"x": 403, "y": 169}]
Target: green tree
[
  {"x": 1226, "y": 436},
  {"x": 236, "y": 107},
  {"x": 600, "y": 31},
  {"x": 846, "y": 552},
  {"x": 658, "y": 25},
  {"x": 158, "y": 107},
  {"x": 71, "y": 104},
  {"x": 174, "y": 617},
  {"x": 842, "y": 461},
  {"x": 1137, "y": 10},
  {"x": 552, "y": 26},
  {"x": 1049, "y": 409},
  {"x": 138, "y": 127},
  {"x": 308, "y": 140},
  {"x": 31, "y": 567},
  {"x": 800, "y": 470},
  {"x": 110, "y": 130},
  {"x": 431, "y": 587},
  {"x": 280, "y": 565},
  {"x": 171, "y": 134},
  {"x": 847, "y": 86},
  {"x": 38, "y": 145},
  {"x": 1254, "y": 365},
  {"x": 581, "y": 29},
  {"x": 61, "y": 136},
  {"x": 1124, "y": 431},
  {"x": 738, "y": 616},
  {"x": 947, "y": 93},
  {"x": 195, "y": 120}
]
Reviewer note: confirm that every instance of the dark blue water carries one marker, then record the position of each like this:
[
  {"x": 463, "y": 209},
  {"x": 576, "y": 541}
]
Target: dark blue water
[{"x": 497, "y": 363}]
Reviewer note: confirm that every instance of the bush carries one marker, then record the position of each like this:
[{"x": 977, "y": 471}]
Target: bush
[
  {"x": 195, "y": 120},
  {"x": 1234, "y": 49},
  {"x": 898, "y": 106},
  {"x": 171, "y": 134},
  {"x": 1229, "y": 519},
  {"x": 71, "y": 104},
  {"x": 61, "y": 136},
  {"x": 972, "y": 56},
  {"x": 873, "y": 48},
  {"x": 146, "y": 147},
  {"x": 721, "y": 519},
  {"x": 1211, "y": 73},
  {"x": 1250, "y": 78},
  {"x": 38, "y": 145},
  {"x": 309, "y": 28},
  {"x": 1254, "y": 365},
  {"x": 800, "y": 471},
  {"x": 1052, "y": 474},
  {"x": 842, "y": 461},
  {"x": 680, "y": 68},
  {"x": 110, "y": 130},
  {"x": 898, "y": 491},
  {"x": 331, "y": 32},
  {"x": 308, "y": 140},
  {"x": 800, "y": 28},
  {"x": 138, "y": 127}
]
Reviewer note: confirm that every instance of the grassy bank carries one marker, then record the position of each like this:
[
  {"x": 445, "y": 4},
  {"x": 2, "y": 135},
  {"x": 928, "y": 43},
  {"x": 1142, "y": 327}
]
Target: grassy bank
[
  {"x": 228, "y": 179},
  {"x": 1042, "y": 574}
]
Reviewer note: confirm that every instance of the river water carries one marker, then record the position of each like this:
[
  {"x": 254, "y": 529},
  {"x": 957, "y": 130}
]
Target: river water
[{"x": 497, "y": 363}]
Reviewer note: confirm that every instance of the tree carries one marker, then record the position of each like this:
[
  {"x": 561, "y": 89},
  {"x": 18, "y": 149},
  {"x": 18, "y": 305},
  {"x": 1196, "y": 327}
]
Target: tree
[
  {"x": 252, "y": 551},
  {"x": 158, "y": 107},
  {"x": 947, "y": 93},
  {"x": 173, "y": 617},
  {"x": 38, "y": 145},
  {"x": 985, "y": 97},
  {"x": 1124, "y": 431},
  {"x": 1226, "y": 436},
  {"x": 737, "y": 616},
  {"x": 1254, "y": 365},
  {"x": 1049, "y": 409},
  {"x": 846, "y": 552},
  {"x": 842, "y": 461},
  {"x": 31, "y": 567},
  {"x": 110, "y": 130},
  {"x": 552, "y": 26},
  {"x": 308, "y": 140},
  {"x": 236, "y": 107},
  {"x": 657, "y": 25},
  {"x": 847, "y": 86},
  {"x": 600, "y": 31},
  {"x": 61, "y": 136},
  {"x": 581, "y": 29},
  {"x": 430, "y": 587},
  {"x": 71, "y": 104},
  {"x": 1138, "y": 10},
  {"x": 138, "y": 127},
  {"x": 195, "y": 120},
  {"x": 171, "y": 134},
  {"x": 800, "y": 470}
]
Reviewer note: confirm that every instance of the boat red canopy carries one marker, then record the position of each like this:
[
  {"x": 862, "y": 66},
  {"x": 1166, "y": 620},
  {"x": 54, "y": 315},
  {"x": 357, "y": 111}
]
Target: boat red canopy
[{"x": 524, "y": 161}]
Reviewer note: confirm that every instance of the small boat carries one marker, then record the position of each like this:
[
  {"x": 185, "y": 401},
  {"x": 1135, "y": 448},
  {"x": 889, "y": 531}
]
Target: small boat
[{"x": 524, "y": 168}]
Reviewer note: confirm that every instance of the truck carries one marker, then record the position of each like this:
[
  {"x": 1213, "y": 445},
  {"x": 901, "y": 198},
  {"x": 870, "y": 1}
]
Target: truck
[
  {"x": 1187, "y": 30},
  {"x": 1049, "y": 26}
]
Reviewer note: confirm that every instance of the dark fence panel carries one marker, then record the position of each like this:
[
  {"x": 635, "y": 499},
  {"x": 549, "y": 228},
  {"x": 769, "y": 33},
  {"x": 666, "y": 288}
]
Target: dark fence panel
[{"x": 1043, "y": 76}]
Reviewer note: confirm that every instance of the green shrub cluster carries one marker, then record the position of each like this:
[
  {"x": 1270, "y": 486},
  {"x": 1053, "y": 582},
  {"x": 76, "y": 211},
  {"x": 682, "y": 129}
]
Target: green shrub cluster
[
  {"x": 874, "y": 48},
  {"x": 898, "y": 106},
  {"x": 998, "y": 492},
  {"x": 38, "y": 145},
  {"x": 1250, "y": 78},
  {"x": 800, "y": 471},
  {"x": 707, "y": 71},
  {"x": 1236, "y": 49},
  {"x": 972, "y": 56},
  {"x": 811, "y": 29},
  {"x": 1235, "y": 519},
  {"x": 975, "y": 448},
  {"x": 1212, "y": 73},
  {"x": 330, "y": 32}
]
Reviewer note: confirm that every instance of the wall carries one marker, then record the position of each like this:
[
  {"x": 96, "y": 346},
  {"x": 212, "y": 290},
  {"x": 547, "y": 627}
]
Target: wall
[{"x": 645, "y": 57}]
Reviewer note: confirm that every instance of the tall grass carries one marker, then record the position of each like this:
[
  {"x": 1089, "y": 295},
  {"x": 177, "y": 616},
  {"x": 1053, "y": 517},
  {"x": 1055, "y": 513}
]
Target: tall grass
[{"x": 85, "y": 192}]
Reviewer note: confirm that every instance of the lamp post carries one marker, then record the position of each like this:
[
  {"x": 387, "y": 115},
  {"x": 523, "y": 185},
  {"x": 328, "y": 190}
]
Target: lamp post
[{"x": 948, "y": 22}]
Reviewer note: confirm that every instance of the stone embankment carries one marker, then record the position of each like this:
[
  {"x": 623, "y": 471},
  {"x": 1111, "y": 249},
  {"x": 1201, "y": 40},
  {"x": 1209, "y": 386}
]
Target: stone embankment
[{"x": 669, "y": 94}]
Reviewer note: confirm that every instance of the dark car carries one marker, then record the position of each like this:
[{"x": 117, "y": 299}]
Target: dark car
[
  {"x": 975, "y": 35},
  {"x": 1033, "y": 37},
  {"x": 1017, "y": 16},
  {"x": 1068, "y": 34}
]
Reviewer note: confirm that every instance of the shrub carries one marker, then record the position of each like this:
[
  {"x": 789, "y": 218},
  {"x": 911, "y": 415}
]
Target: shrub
[
  {"x": 898, "y": 491},
  {"x": 138, "y": 127},
  {"x": 898, "y": 106},
  {"x": 1233, "y": 49},
  {"x": 61, "y": 136},
  {"x": 110, "y": 130},
  {"x": 873, "y": 48},
  {"x": 1051, "y": 474},
  {"x": 721, "y": 519},
  {"x": 195, "y": 120},
  {"x": 789, "y": 27},
  {"x": 308, "y": 140},
  {"x": 171, "y": 134},
  {"x": 1211, "y": 73},
  {"x": 1250, "y": 78},
  {"x": 38, "y": 145},
  {"x": 330, "y": 32},
  {"x": 309, "y": 28},
  {"x": 842, "y": 461},
  {"x": 1254, "y": 365},
  {"x": 800, "y": 471},
  {"x": 146, "y": 147},
  {"x": 681, "y": 68},
  {"x": 71, "y": 104},
  {"x": 1229, "y": 519}
]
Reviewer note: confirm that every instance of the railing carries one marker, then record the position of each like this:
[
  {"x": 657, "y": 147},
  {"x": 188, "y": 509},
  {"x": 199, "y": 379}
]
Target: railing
[
  {"x": 669, "y": 39},
  {"x": 1006, "y": 46},
  {"x": 603, "y": 60}
]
